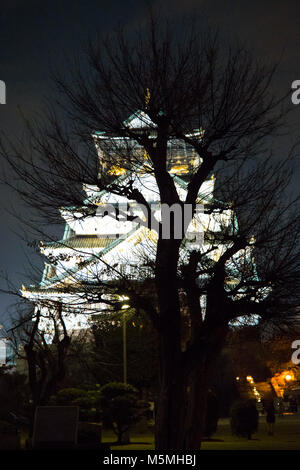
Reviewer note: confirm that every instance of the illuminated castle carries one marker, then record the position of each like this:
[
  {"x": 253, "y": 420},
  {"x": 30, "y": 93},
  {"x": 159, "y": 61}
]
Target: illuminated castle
[{"x": 102, "y": 248}]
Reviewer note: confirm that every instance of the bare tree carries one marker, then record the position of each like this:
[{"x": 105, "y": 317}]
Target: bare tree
[
  {"x": 44, "y": 347},
  {"x": 190, "y": 82}
]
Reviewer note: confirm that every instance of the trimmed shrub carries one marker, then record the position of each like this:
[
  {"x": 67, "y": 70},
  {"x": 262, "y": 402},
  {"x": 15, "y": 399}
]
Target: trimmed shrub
[
  {"x": 212, "y": 415},
  {"x": 121, "y": 408},
  {"x": 9, "y": 436},
  {"x": 67, "y": 396},
  {"x": 244, "y": 418},
  {"x": 89, "y": 434},
  {"x": 88, "y": 402},
  {"x": 7, "y": 428}
]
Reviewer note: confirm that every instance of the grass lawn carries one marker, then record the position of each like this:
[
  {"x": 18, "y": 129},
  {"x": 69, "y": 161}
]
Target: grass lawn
[
  {"x": 138, "y": 441},
  {"x": 286, "y": 437}
]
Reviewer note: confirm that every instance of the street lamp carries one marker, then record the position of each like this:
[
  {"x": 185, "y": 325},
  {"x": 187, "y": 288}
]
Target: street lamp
[
  {"x": 124, "y": 335},
  {"x": 124, "y": 349}
]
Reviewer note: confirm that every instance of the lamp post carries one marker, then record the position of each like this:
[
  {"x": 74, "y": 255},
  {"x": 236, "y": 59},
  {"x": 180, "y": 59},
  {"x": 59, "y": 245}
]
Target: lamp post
[
  {"x": 124, "y": 331},
  {"x": 124, "y": 349},
  {"x": 125, "y": 306}
]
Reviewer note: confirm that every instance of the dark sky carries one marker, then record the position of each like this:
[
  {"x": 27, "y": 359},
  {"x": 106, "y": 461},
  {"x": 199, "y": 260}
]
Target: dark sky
[{"x": 36, "y": 33}]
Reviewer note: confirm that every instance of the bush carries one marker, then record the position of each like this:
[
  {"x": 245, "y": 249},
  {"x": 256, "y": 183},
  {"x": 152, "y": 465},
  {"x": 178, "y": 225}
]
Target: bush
[
  {"x": 212, "y": 415},
  {"x": 88, "y": 402},
  {"x": 89, "y": 434},
  {"x": 13, "y": 393},
  {"x": 244, "y": 418},
  {"x": 121, "y": 407},
  {"x": 115, "y": 389},
  {"x": 67, "y": 396},
  {"x": 90, "y": 399},
  {"x": 7, "y": 428},
  {"x": 9, "y": 437}
]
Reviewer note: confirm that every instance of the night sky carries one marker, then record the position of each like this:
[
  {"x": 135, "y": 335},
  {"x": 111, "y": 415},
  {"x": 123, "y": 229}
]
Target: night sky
[{"x": 35, "y": 34}]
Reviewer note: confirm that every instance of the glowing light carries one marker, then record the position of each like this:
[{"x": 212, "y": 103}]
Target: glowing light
[
  {"x": 180, "y": 169},
  {"x": 123, "y": 297},
  {"x": 116, "y": 170}
]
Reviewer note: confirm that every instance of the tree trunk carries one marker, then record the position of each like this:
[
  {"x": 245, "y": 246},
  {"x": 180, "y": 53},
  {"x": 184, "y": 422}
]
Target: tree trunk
[
  {"x": 184, "y": 375},
  {"x": 181, "y": 407},
  {"x": 123, "y": 437}
]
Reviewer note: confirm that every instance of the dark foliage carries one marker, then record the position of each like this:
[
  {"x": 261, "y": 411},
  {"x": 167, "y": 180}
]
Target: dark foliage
[
  {"x": 121, "y": 407},
  {"x": 244, "y": 418}
]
